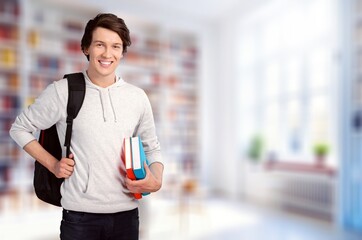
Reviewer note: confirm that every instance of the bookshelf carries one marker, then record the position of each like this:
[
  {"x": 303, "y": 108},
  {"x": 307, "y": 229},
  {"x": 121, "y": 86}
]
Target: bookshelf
[
  {"x": 53, "y": 43},
  {"x": 42, "y": 44},
  {"x": 9, "y": 86},
  {"x": 181, "y": 110}
]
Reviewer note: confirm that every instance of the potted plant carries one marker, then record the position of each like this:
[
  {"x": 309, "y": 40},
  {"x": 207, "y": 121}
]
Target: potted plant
[
  {"x": 321, "y": 150},
  {"x": 255, "y": 149}
]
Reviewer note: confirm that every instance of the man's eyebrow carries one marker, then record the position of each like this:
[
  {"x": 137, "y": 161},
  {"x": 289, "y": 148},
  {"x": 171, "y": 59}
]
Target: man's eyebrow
[{"x": 99, "y": 41}]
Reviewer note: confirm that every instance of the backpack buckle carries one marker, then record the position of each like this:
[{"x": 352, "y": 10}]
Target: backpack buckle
[{"x": 69, "y": 120}]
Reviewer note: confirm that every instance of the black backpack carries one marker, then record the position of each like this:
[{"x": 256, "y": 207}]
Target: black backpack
[{"x": 46, "y": 184}]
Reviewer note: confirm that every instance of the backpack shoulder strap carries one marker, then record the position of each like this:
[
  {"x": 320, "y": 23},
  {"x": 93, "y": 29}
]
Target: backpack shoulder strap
[{"x": 76, "y": 93}]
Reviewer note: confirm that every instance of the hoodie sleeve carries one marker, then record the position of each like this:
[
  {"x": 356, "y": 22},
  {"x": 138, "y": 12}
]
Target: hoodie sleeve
[
  {"x": 42, "y": 114},
  {"x": 147, "y": 131}
]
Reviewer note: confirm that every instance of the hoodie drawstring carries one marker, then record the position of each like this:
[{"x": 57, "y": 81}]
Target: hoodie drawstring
[
  {"x": 103, "y": 100},
  {"x": 110, "y": 100},
  {"x": 102, "y": 104}
]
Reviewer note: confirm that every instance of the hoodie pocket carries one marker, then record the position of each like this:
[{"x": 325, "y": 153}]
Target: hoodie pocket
[{"x": 89, "y": 174}]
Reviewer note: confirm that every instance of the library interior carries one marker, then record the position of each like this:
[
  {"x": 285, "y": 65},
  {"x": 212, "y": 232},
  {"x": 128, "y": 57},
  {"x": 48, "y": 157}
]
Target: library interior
[{"x": 257, "y": 107}]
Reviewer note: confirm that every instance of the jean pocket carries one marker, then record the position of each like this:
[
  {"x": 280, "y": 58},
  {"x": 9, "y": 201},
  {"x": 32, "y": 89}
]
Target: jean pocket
[{"x": 72, "y": 217}]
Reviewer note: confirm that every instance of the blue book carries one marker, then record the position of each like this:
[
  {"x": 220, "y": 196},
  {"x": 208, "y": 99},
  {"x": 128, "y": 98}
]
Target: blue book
[{"x": 138, "y": 158}]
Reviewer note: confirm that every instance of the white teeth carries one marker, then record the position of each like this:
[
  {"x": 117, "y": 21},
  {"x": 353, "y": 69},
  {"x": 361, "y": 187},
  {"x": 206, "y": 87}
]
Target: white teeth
[{"x": 105, "y": 63}]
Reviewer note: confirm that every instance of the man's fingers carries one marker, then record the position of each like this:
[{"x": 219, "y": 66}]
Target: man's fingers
[
  {"x": 135, "y": 186},
  {"x": 66, "y": 167},
  {"x": 66, "y": 173},
  {"x": 68, "y": 161}
]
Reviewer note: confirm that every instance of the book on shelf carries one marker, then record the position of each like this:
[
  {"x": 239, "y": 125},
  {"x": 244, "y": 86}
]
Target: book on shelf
[
  {"x": 127, "y": 160},
  {"x": 138, "y": 159}
]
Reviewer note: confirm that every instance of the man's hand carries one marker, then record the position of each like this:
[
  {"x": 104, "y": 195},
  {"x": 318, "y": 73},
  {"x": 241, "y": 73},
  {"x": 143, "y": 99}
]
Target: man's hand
[
  {"x": 151, "y": 183},
  {"x": 64, "y": 168},
  {"x": 61, "y": 169}
]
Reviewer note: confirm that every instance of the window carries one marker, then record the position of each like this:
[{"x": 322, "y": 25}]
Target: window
[{"x": 286, "y": 76}]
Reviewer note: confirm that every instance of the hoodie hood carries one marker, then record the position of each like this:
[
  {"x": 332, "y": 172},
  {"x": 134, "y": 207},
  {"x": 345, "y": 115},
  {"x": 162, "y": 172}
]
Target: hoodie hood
[{"x": 105, "y": 95}]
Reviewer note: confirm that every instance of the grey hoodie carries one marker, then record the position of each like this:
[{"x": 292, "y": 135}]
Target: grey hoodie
[{"x": 107, "y": 116}]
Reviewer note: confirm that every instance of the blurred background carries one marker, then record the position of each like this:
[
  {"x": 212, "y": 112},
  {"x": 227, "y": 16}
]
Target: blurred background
[{"x": 258, "y": 108}]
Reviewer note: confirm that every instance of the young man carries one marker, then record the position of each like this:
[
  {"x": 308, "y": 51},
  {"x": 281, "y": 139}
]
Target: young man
[{"x": 97, "y": 200}]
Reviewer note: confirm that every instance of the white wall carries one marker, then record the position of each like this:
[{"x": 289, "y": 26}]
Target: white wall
[
  {"x": 227, "y": 169},
  {"x": 224, "y": 170}
]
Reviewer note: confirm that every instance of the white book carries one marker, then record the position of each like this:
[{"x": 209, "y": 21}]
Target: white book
[
  {"x": 128, "y": 154},
  {"x": 136, "y": 157}
]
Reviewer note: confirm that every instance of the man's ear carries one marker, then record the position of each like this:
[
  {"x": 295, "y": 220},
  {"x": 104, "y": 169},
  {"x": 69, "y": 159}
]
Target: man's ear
[{"x": 86, "y": 53}]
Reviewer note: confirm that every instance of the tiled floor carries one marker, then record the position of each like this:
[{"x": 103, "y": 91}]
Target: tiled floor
[{"x": 214, "y": 219}]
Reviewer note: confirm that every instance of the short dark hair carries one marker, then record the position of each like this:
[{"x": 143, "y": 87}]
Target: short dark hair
[{"x": 108, "y": 21}]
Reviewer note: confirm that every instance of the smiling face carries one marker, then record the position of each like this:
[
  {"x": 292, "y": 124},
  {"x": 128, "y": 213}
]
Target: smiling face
[{"x": 105, "y": 53}]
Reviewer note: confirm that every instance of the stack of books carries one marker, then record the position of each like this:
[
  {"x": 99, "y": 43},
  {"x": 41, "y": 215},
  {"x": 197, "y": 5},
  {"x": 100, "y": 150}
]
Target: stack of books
[{"x": 134, "y": 157}]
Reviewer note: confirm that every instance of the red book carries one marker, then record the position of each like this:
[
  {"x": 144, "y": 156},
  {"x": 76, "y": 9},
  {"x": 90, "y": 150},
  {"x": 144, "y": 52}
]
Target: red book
[{"x": 127, "y": 160}]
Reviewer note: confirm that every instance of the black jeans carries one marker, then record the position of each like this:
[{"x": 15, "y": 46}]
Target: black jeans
[{"x": 95, "y": 226}]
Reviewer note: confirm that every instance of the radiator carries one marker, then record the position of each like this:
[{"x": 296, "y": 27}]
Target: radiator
[{"x": 309, "y": 194}]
